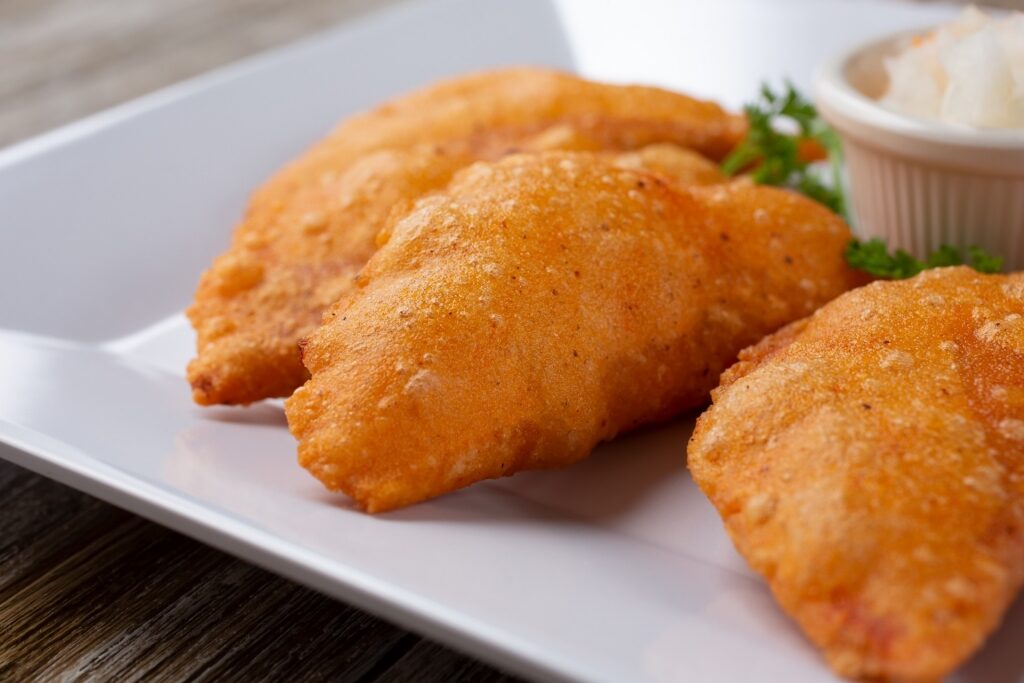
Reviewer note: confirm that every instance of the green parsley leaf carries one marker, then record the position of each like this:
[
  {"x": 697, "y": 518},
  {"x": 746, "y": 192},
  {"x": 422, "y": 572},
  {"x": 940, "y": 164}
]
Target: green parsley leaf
[
  {"x": 775, "y": 154},
  {"x": 872, "y": 256},
  {"x": 984, "y": 262},
  {"x": 945, "y": 255}
]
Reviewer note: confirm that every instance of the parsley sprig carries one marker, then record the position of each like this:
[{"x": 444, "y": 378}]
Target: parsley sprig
[
  {"x": 872, "y": 256},
  {"x": 775, "y": 154}
]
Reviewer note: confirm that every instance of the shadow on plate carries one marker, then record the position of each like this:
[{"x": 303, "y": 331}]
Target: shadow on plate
[
  {"x": 259, "y": 415},
  {"x": 618, "y": 479}
]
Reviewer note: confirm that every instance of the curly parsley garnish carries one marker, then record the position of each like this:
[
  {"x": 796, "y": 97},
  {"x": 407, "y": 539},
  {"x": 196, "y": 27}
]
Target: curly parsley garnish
[
  {"x": 775, "y": 154},
  {"x": 774, "y": 157},
  {"x": 873, "y": 257}
]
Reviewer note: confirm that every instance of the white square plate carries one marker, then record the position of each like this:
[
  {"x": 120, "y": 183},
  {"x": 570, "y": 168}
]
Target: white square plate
[{"x": 613, "y": 570}]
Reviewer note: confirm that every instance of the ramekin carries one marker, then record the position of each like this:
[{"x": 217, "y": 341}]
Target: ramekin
[{"x": 920, "y": 184}]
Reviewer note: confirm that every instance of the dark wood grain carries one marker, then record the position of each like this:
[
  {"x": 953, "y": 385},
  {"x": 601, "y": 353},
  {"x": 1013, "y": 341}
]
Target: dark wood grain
[
  {"x": 90, "y": 592},
  {"x": 63, "y": 59}
]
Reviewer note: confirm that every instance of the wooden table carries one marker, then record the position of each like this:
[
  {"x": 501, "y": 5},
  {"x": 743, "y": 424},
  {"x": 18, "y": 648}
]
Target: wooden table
[{"x": 88, "y": 591}]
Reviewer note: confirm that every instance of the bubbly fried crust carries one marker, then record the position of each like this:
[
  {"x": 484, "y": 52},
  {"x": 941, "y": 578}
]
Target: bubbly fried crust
[
  {"x": 681, "y": 166},
  {"x": 534, "y": 99},
  {"x": 869, "y": 463},
  {"x": 312, "y": 227},
  {"x": 272, "y": 286},
  {"x": 541, "y": 305}
]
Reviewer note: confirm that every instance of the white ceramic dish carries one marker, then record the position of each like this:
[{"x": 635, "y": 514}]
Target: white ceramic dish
[
  {"x": 613, "y": 570},
  {"x": 920, "y": 184}
]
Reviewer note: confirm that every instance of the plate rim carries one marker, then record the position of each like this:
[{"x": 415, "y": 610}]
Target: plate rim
[{"x": 63, "y": 463}]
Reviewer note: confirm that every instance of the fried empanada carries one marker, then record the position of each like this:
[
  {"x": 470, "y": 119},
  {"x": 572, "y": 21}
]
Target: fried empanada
[
  {"x": 313, "y": 226},
  {"x": 869, "y": 463},
  {"x": 541, "y": 305}
]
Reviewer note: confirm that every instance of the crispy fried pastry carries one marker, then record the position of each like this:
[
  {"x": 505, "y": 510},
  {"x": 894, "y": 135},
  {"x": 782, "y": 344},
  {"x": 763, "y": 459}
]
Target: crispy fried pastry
[
  {"x": 869, "y": 463},
  {"x": 313, "y": 226},
  {"x": 680, "y": 166},
  {"x": 539, "y": 306}
]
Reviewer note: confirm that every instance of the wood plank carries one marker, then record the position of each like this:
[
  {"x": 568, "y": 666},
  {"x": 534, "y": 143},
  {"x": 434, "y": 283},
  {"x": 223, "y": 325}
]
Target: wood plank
[
  {"x": 63, "y": 59},
  {"x": 427, "y": 661}
]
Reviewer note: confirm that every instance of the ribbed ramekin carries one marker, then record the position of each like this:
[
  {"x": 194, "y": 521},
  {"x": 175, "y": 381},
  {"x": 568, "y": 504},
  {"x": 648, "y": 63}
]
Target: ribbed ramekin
[{"x": 920, "y": 184}]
